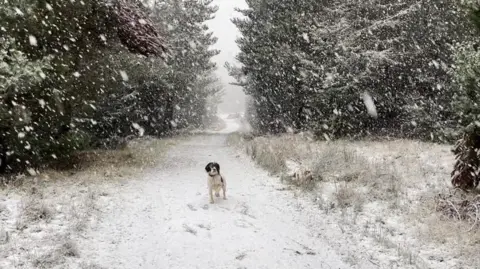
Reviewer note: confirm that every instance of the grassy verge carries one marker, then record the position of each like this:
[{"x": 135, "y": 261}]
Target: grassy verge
[
  {"x": 42, "y": 216},
  {"x": 388, "y": 191}
]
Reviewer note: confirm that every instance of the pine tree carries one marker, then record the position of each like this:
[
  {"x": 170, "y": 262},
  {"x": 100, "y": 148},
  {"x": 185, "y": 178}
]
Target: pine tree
[
  {"x": 465, "y": 174},
  {"x": 308, "y": 64},
  {"x": 190, "y": 61}
]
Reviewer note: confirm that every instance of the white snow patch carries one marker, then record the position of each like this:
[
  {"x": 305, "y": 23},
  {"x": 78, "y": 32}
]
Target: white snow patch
[{"x": 168, "y": 212}]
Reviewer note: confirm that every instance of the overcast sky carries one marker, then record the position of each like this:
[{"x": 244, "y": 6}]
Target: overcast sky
[{"x": 226, "y": 32}]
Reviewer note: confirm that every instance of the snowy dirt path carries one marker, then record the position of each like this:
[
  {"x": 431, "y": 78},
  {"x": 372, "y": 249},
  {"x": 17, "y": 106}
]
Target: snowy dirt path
[{"x": 165, "y": 220}]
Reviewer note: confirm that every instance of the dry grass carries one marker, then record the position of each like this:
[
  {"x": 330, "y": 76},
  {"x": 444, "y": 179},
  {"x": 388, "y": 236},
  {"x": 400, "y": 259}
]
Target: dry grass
[
  {"x": 47, "y": 211},
  {"x": 44, "y": 224},
  {"x": 57, "y": 255},
  {"x": 394, "y": 181},
  {"x": 81, "y": 209},
  {"x": 134, "y": 157},
  {"x": 346, "y": 196},
  {"x": 138, "y": 153},
  {"x": 450, "y": 235},
  {"x": 272, "y": 153},
  {"x": 331, "y": 162},
  {"x": 35, "y": 209}
]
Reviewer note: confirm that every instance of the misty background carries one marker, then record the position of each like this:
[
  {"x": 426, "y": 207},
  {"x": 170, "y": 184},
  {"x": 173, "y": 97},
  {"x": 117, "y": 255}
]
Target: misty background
[{"x": 234, "y": 98}]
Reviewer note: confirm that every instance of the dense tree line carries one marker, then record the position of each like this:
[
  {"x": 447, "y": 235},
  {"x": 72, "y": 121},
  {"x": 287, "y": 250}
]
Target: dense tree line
[
  {"x": 82, "y": 74},
  {"x": 319, "y": 65}
]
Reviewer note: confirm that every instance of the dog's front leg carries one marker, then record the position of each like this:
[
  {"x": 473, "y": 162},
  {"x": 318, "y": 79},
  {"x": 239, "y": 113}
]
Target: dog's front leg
[
  {"x": 224, "y": 190},
  {"x": 210, "y": 192}
]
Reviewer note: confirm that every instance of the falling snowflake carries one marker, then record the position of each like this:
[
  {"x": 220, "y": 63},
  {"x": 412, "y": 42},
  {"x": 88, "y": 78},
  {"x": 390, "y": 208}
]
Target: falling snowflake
[
  {"x": 139, "y": 128},
  {"x": 18, "y": 11},
  {"x": 368, "y": 101},
  {"x": 124, "y": 75},
  {"x": 49, "y": 7},
  {"x": 33, "y": 40},
  {"x": 41, "y": 102},
  {"x": 306, "y": 37},
  {"x": 21, "y": 135},
  {"x": 76, "y": 74},
  {"x": 31, "y": 171}
]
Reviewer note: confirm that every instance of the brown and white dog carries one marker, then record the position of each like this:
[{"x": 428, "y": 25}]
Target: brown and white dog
[{"x": 216, "y": 181}]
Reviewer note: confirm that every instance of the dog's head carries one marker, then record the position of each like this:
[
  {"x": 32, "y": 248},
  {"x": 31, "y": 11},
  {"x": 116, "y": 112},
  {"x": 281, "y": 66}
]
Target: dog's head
[{"x": 212, "y": 168}]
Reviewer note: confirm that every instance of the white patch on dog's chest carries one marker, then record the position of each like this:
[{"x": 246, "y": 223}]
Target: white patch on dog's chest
[{"x": 216, "y": 180}]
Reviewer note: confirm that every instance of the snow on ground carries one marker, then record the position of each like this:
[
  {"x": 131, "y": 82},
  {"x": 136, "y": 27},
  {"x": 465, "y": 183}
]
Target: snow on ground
[
  {"x": 165, "y": 220},
  {"x": 376, "y": 199},
  {"x": 161, "y": 218},
  {"x": 232, "y": 124}
]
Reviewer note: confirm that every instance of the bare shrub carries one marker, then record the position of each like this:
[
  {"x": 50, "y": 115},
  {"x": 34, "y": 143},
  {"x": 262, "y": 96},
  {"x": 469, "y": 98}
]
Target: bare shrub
[
  {"x": 56, "y": 255},
  {"x": 346, "y": 196},
  {"x": 35, "y": 209},
  {"x": 69, "y": 249},
  {"x": 460, "y": 209},
  {"x": 301, "y": 178},
  {"x": 444, "y": 228}
]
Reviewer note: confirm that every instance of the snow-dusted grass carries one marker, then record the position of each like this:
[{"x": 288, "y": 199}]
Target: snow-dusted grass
[
  {"x": 42, "y": 218},
  {"x": 384, "y": 191}
]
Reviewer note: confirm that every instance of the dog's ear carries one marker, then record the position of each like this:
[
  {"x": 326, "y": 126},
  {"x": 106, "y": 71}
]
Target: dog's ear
[{"x": 207, "y": 168}]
